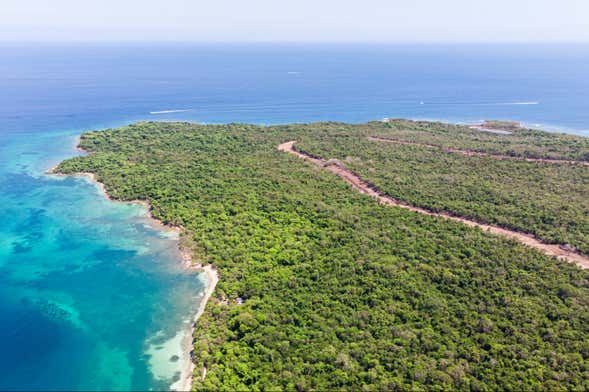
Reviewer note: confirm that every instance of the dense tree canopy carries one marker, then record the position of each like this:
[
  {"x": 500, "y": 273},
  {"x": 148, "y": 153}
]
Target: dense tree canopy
[
  {"x": 338, "y": 292},
  {"x": 548, "y": 200},
  {"x": 518, "y": 142}
]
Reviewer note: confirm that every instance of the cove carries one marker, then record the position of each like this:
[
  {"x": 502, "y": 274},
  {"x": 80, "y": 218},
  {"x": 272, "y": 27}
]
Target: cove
[{"x": 92, "y": 293}]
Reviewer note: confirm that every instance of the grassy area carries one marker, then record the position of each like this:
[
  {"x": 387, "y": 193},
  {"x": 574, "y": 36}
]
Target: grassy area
[{"x": 336, "y": 291}]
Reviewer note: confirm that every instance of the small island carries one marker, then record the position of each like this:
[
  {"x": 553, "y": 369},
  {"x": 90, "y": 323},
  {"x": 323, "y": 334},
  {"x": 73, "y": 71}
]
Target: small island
[{"x": 395, "y": 254}]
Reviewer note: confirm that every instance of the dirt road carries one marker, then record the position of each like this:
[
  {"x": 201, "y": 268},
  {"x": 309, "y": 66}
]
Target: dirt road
[{"x": 361, "y": 186}]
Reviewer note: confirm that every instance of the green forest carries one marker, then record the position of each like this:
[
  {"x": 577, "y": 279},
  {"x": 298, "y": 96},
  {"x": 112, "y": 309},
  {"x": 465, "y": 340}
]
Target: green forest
[
  {"x": 550, "y": 201},
  {"x": 519, "y": 142},
  {"x": 322, "y": 288}
]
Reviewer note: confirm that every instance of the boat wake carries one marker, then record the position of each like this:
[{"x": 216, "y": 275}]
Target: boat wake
[
  {"x": 513, "y": 103},
  {"x": 519, "y": 103}
]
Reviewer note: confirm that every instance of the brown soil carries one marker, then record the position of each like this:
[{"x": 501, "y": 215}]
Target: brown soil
[
  {"x": 361, "y": 186},
  {"x": 475, "y": 153}
]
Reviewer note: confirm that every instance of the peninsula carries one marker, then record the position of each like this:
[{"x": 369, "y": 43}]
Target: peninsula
[{"x": 395, "y": 255}]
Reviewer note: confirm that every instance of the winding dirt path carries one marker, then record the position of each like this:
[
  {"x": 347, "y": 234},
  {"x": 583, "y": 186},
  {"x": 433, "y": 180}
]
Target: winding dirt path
[
  {"x": 361, "y": 186},
  {"x": 475, "y": 153}
]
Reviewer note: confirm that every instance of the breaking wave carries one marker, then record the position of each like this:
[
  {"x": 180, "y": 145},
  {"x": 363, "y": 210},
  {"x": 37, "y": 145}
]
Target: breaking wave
[{"x": 169, "y": 111}]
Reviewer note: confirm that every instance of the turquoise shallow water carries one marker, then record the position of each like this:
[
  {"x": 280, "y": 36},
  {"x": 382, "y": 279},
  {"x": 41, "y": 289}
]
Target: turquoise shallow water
[{"x": 92, "y": 296}]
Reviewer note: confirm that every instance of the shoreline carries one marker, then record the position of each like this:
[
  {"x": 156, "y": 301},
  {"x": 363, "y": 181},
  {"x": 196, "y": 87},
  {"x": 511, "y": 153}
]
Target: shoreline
[
  {"x": 185, "y": 384},
  {"x": 186, "y": 261}
]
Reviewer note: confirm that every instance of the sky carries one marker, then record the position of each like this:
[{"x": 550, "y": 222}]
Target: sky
[{"x": 396, "y": 21}]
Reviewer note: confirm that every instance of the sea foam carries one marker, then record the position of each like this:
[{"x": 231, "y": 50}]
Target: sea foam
[{"x": 169, "y": 111}]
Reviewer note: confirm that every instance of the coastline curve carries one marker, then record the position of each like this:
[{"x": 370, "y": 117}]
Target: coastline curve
[{"x": 186, "y": 260}]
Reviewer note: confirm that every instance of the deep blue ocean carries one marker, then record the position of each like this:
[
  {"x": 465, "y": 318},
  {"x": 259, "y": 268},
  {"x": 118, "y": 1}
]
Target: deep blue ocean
[{"x": 92, "y": 294}]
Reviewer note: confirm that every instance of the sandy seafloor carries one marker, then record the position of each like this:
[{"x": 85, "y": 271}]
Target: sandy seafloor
[{"x": 94, "y": 293}]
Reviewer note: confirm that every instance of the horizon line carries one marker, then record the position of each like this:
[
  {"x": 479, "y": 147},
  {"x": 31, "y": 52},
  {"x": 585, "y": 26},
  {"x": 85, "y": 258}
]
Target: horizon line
[{"x": 287, "y": 42}]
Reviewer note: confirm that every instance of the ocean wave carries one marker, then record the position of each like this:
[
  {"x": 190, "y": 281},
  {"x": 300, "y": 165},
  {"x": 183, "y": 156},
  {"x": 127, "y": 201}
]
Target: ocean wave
[{"x": 169, "y": 111}]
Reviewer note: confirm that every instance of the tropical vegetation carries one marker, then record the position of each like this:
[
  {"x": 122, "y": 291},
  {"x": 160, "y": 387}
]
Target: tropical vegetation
[{"x": 322, "y": 288}]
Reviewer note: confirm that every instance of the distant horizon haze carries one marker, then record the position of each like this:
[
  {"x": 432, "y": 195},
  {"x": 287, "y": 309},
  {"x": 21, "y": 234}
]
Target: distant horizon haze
[{"x": 304, "y": 21}]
